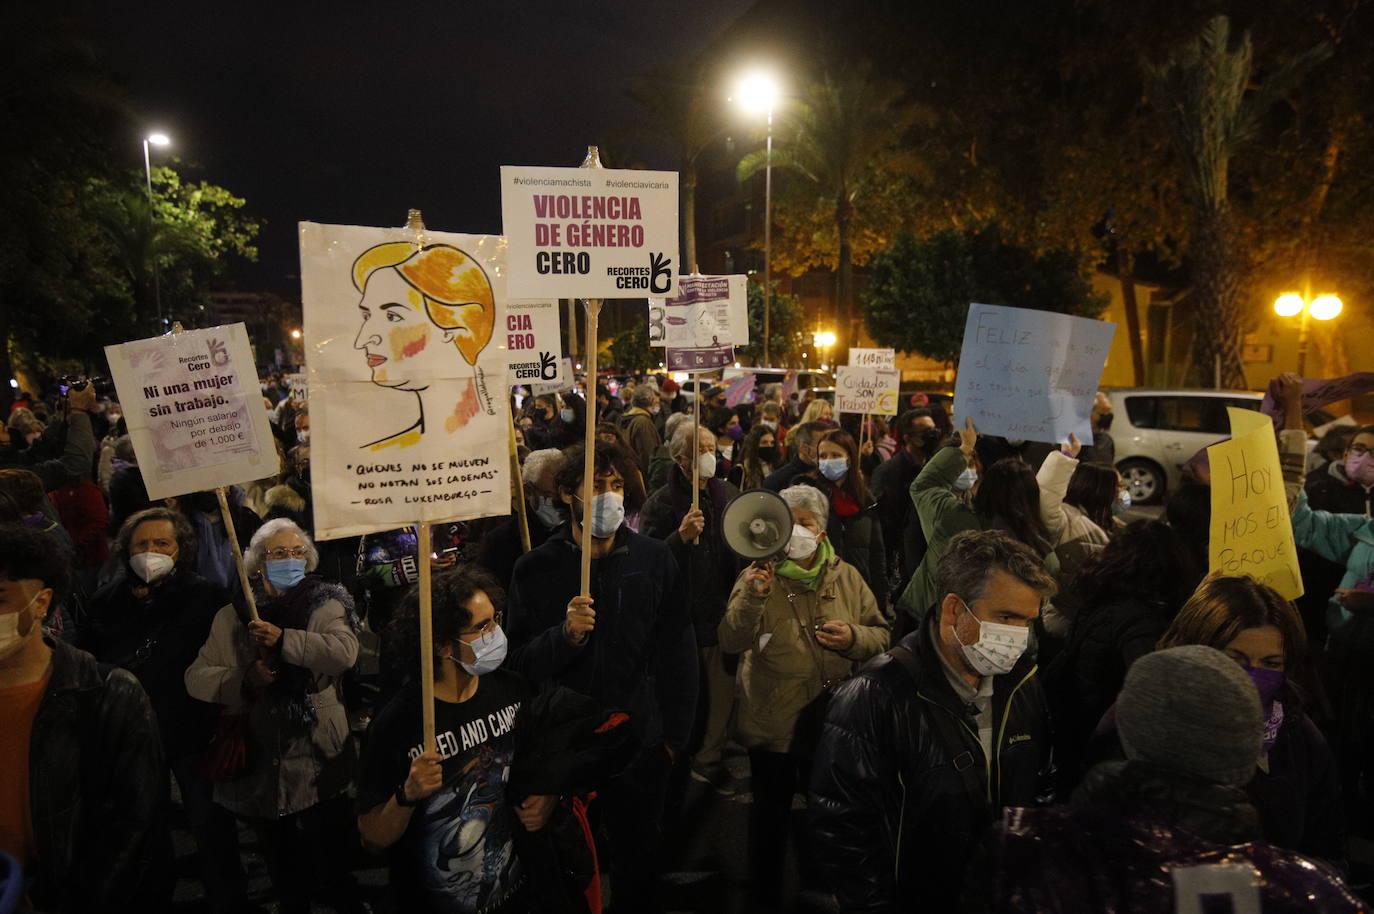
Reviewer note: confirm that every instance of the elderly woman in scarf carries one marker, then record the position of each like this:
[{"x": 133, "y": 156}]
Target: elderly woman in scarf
[
  {"x": 283, "y": 674},
  {"x": 804, "y": 625}
]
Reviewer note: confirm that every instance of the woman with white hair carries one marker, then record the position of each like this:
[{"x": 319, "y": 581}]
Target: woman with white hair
[
  {"x": 282, "y": 673},
  {"x": 805, "y": 626}
]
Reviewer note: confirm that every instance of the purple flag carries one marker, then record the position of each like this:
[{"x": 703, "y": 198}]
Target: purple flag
[
  {"x": 739, "y": 388},
  {"x": 1318, "y": 392}
]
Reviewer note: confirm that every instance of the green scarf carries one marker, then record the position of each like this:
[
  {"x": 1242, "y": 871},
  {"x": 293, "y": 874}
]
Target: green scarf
[{"x": 808, "y": 576}]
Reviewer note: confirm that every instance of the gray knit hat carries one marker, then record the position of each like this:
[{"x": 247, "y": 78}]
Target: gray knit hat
[{"x": 1194, "y": 710}]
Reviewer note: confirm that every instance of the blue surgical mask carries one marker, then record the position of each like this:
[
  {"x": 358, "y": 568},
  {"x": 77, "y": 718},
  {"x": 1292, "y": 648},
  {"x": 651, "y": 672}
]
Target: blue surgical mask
[
  {"x": 834, "y": 468},
  {"x": 566, "y": 415},
  {"x": 546, "y": 509},
  {"x": 1122, "y": 503},
  {"x": 967, "y": 480},
  {"x": 488, "y": 652},
  {"x": 608, "y": 513},
  {"x": 283, "y": 574}
]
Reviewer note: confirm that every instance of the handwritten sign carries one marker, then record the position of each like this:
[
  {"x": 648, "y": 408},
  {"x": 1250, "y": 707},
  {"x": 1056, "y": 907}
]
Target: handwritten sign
[
  {"x": 873, "y": 358},
  {"x": 1030, "y": 374},
  {"x": 532, "y": 342},
  {"x": 408, "y": 374},
  {"x": 866, "y": 390},
  {"x": 1251, "y": 533},
  {"x": 590, "y": 232},
  {"x": 194, "y": 410}
]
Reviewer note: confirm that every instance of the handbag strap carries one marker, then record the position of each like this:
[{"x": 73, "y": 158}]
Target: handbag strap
[{"x": 808, "y": 634}]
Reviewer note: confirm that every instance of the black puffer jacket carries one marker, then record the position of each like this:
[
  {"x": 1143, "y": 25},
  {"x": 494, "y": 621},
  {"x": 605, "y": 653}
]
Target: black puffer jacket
[
  {"x": 902, "y": 792},
  {"x": 708, "y": 568},
  {"x": 857, "y": 538},
  {"x": 98, "y": 792}
]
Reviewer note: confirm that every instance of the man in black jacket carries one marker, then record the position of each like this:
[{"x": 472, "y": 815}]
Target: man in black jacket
[
  {"x": 82, "y": 781},
  {"x": 928, "y": 742},
  {"x": 629, "y": 645},
  {"x": 891, "y": 486}
]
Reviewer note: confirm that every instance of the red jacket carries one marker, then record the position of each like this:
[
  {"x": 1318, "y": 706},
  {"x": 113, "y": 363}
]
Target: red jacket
[{"x": 81, "y": 507}]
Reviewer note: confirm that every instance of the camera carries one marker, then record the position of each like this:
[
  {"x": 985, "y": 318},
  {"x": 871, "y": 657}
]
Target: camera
[{"x": 104, "y": 387}]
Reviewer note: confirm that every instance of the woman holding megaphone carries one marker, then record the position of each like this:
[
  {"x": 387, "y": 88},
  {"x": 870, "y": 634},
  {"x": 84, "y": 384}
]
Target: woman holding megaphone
[{"x": 802, "y": 625}]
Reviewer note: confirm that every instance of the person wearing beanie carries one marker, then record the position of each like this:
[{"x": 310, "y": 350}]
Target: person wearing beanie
[{"x": 1155, "y": 833}]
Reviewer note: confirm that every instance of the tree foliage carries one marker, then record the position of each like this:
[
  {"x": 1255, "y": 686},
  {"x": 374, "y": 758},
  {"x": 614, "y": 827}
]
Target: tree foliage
[
  {"x": 920, "y": 289},
  {"x": 786, "y": 326}
]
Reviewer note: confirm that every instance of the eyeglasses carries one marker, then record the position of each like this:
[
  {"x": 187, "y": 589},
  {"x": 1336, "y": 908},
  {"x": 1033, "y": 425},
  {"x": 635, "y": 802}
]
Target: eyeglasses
[
  {"x": 296, "y": 553},
  {"x": 1358, "y": 450},
  {"x": 488, "y": 627}
]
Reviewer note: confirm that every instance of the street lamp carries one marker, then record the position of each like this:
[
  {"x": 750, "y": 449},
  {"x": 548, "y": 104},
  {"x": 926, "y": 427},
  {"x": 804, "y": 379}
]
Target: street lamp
[
  {"x": 1322, "y": 308},
  {"x": 156, "y": 139},
  {"x": 758, "y": 92},
  {"x": 823, "y": 339}
]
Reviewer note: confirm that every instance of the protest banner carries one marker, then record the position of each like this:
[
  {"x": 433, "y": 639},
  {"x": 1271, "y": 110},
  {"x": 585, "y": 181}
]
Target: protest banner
[
  {"x": 740, "y": 390},
  {"x": 194, "y": 409},
  {"x": 702, "y": 323},
  {"x": 298, "y": 386},
  {"x": 590, "y": 232},
  {"x": 1251, "y": 533},
  {"x": 408, "y": 376},
  {"x": 873, "y": 358},
  {"x": 866, "y": 390},
  {"x": 1030, "y": 374},
  {"x": 533, "y": 343}
]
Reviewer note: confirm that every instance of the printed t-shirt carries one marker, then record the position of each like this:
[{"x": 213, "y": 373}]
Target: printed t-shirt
[{"x": 458, "y": 853}]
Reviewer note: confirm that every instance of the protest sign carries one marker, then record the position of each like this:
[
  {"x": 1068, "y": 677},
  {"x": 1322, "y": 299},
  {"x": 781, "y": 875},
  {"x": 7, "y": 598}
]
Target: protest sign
[
  {"x": 700, "y": 325},
  {"x": 873, "y": 358},
  {"x": 590, "y": 232},
  {"x": 299, "y": 387},
  {"x": 1030, "y": 374},
  {"x": 740, "y": 390},
  {"x": 194, "y": 410},
  {"x": 408, "y": 375},
  {"x": 533, "y": 343},
  {"x": 866, "y": 390},
  {"x": 1251, "y": 532}
]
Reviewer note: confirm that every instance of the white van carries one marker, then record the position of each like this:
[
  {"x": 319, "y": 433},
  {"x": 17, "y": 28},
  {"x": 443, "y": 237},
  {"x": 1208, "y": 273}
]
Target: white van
[{"x": 1157, "y": 431}]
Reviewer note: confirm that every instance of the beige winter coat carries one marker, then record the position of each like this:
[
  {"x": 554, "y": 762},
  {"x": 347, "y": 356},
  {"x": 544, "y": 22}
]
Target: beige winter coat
[{"x": 784, "y": 668}]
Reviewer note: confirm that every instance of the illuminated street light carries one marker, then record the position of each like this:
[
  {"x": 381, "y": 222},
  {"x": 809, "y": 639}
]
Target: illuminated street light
[
  {"x": 156, "y": 139},
  {"x": 758, "y": 93},
  {"x": 823, "y": 340},
  {"x": 1322, "y": 308},
  {"x": 295, "y": 334}
]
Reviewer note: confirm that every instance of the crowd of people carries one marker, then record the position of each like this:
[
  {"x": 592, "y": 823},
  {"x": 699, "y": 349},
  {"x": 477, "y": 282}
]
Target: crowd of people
[{"x": 966, "y": 684}]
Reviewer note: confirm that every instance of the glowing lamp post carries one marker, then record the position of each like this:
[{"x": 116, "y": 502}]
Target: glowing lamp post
[
  {"x": 1321, "y": 308},
  {"x": 155, "y": 139},
  {"x": 757, "y": 93}
]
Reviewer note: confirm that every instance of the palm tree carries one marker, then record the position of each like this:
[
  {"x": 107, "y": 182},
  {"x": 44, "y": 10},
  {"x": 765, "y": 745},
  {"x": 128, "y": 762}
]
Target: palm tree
[
  {"x": 1201, "y": 94},
  {"x": 844, "y": 135},
  {"x": 681, "y": 110}
]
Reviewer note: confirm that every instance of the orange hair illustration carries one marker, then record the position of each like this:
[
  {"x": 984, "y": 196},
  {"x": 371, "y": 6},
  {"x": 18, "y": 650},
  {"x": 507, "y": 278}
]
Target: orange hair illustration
[{"x": 455, "y": 288}]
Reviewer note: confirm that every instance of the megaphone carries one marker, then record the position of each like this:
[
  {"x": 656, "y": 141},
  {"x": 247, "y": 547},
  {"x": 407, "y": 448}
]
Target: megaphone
[{"x": 757, "y": 524}]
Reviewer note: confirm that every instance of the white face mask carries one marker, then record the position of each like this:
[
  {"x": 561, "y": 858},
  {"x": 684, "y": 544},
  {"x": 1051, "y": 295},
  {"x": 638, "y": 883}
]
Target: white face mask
[
  {"x": 303, "y": 436},
  {"x": 608, "y": 513},
  {"x": 547, "y": 512},
  {"x": 967, "y": 480},
  {"x": 151, "y": 566},
  {"x": 802, "y": 545},
  {"x": 998, "y": 647},
  {"x": 706, "y": 465},
  {"x": 9, "y": 627},
  {"x": 488, "y": 652}
]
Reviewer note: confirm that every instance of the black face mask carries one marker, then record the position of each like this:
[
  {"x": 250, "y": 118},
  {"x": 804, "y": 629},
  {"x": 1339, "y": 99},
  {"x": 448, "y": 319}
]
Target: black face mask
[
  {"x": 1104, "y": 421},
  {"x": 768, "y": 454}
]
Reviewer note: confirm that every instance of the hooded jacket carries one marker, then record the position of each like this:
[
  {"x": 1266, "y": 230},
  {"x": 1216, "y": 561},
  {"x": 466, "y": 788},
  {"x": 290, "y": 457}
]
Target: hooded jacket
[
  {"x": 902, "y": 791},
  {"x": 98, "y": 792}
]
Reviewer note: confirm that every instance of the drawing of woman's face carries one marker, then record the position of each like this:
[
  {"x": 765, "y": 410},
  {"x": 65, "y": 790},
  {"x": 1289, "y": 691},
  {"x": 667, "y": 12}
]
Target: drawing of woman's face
[{"x": 397, "y": 335}]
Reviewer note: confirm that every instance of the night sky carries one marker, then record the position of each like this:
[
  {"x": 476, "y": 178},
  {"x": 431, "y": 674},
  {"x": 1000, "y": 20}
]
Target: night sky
[{"x": 353, "y": 113}]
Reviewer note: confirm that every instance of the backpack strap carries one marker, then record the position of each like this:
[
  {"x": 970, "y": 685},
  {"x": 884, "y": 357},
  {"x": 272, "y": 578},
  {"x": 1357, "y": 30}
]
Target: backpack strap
[{"x": 965, "y": 762}]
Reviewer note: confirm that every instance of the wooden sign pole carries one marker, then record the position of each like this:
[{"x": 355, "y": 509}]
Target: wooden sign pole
[
  {"x": 518, "y": 482},
  {"x": 233, "y": 536},
  {"x": 593, "y": 306},
  {"x": 696, "y": 444}
]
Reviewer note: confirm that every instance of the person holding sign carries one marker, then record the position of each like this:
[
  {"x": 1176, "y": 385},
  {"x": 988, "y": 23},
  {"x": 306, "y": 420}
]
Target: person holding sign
[
  {"x": 445, "y": 815},
  {"x": 283, "y": 672},
  {"x": 425, "y": 317},
  {"x": 628, "y": 644}
]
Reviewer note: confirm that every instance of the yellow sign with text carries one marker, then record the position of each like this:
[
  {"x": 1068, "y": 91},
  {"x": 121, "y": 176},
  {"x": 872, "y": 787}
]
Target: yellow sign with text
[{"x": 1251, "y": 532}]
